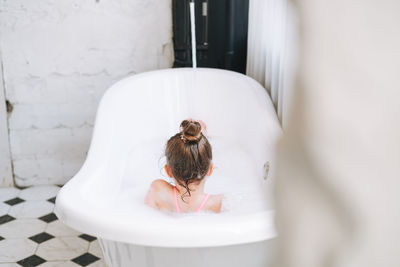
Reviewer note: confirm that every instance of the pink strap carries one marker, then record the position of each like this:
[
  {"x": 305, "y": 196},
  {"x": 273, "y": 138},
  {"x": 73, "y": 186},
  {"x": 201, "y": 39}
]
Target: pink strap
[
  {"x": 178, "y": 210},
  {"x": 202, "y": 203}
]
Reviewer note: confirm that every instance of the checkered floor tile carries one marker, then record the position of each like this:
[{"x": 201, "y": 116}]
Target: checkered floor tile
[{"x": 31, "y": 235}]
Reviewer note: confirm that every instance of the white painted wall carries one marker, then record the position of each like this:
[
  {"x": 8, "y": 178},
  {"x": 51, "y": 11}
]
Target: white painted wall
[{"x": 59, "y": 56}]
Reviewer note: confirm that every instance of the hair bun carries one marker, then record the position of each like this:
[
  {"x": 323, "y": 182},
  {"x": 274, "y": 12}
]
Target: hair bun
[{"x": 190, "y": 130}]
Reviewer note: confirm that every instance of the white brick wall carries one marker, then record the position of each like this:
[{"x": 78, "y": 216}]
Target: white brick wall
[
  {"x": 6, "y": 176},
  {"x": 59, "y": 56}
]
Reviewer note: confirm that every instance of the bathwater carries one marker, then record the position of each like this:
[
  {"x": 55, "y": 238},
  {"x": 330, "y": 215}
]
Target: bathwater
[{"x": 238, "y": 174}]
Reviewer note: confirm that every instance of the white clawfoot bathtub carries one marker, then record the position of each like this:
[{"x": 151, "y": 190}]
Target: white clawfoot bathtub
[{"x": 135, "y": 118}]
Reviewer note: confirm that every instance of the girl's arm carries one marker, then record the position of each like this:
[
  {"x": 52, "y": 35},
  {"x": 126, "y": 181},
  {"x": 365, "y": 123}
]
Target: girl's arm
[
  {"x": 150, "y": 198},
  {"x": 156, "y": 197}
]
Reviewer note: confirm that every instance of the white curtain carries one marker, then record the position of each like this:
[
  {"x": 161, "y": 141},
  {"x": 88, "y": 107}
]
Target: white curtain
[{"x": 271, "y": 50}]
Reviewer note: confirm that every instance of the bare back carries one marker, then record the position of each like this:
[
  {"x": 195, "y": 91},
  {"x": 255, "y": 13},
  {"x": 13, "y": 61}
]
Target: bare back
[{"x": 161, "y": 196}]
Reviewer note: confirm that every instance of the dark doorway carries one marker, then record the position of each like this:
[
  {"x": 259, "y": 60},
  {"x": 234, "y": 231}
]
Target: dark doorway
[{"x": 221, "y": 33}]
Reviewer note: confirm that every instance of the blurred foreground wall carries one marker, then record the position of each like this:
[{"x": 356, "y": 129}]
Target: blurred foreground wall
[
  {"x": 339, "y": 164},
  {"x": 58, "y": 57}
]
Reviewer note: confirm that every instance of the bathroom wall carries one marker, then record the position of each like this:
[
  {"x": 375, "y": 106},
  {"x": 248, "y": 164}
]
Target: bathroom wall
[
  {"x": 6, "y": 177},
  {"x": 58, "y": 57}
]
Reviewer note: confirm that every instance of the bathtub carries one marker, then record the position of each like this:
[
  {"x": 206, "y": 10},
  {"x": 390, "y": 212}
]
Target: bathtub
[{"x": 134, "y": 119}]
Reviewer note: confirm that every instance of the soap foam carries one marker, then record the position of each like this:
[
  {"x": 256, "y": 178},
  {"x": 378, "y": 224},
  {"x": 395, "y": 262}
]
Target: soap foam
[{"x": 237, "y": 175}]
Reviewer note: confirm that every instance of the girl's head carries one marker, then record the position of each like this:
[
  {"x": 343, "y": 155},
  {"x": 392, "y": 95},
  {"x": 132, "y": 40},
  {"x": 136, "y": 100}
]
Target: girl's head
[{"x": 188, "y": 155}]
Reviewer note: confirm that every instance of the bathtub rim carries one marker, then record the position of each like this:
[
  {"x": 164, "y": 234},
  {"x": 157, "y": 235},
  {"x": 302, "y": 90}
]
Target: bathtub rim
[{"x": 234, "y": 230}]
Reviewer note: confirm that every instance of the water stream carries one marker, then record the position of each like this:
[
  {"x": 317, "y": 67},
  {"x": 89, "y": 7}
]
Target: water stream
[{"x": 193, "y": 32}]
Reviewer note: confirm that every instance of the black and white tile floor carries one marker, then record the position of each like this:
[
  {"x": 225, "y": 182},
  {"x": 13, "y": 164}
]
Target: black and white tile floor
[{"x": 31, "y": 234}]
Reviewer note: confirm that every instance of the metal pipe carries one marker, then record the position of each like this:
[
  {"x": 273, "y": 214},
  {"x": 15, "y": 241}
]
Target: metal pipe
[{"x": 193, "y": 32}]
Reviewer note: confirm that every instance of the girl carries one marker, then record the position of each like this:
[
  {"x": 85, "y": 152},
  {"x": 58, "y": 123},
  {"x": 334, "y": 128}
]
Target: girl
[{"x": 189, "y": 158}]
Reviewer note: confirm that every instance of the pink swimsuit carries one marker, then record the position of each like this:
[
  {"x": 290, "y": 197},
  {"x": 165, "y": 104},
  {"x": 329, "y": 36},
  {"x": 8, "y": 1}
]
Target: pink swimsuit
[{"x": 178, "y": 210}]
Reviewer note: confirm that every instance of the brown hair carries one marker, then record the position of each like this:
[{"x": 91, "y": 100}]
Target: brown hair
[{"x": 188, "y": 154}]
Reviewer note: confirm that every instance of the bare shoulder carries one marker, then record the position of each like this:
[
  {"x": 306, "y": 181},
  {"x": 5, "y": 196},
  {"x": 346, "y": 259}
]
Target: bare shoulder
[
  {"x": 216, "y": 202},
  {"x": 157, "y": 190},
  {"x": 159, "y": 184}
]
